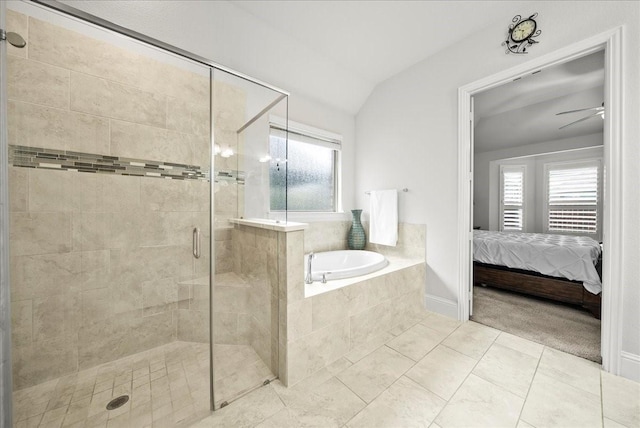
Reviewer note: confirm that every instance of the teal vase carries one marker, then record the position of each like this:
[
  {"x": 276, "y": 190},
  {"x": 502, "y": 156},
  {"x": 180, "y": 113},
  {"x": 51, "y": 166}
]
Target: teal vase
[{"x": 356, "y": 238}]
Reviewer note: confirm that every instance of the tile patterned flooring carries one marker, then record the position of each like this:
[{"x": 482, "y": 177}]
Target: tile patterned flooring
[
  {"x": 436, "y": 372},
  {"x": 431, "y": 372},
  {"x": 168, "y": 387}
]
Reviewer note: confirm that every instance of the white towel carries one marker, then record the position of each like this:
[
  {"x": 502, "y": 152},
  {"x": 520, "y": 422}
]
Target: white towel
[{"x": 383, "y": 217}]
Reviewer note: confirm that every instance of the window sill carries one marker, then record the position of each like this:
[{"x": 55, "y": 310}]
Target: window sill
[{"x": 306, "y": 217}]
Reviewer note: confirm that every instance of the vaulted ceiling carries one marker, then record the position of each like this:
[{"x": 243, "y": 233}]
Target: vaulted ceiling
[{"x": 335, "y": 52}]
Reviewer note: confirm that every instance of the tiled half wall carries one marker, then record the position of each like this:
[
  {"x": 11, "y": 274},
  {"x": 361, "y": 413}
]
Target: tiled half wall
[{"x": 316, "y": 331}]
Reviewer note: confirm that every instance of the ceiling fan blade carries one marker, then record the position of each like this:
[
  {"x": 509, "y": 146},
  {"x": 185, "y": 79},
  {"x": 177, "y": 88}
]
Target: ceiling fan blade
[
  {"x": 581, "y": 109},
  {"x": 581, "y": 120}
]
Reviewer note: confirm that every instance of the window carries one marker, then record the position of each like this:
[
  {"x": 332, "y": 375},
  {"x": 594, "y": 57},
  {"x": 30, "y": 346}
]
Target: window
[
  {"x": 573, "y": 197},
  {"x": 312, "y": 159},
  {"x": 512, "y": 197}
]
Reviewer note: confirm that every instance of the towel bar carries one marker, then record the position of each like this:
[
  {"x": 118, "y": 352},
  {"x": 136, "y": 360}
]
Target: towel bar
[{"x": 369, "y": 192}]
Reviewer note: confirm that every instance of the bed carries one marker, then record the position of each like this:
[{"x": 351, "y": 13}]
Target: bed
[{"x": 557, "y": 267}]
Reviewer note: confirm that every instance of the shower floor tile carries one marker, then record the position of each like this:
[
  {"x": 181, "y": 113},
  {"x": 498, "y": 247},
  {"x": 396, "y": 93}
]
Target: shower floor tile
[{"x": 167, "y": 386}]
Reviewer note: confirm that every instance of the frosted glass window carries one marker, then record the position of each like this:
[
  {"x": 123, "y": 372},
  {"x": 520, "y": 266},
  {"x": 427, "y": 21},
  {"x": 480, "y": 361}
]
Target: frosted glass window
[{"x": 307, "y": 180}]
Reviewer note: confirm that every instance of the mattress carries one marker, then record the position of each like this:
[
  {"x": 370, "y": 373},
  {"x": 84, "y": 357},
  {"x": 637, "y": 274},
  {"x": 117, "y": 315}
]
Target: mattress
[{"x": 570, "y": 257}]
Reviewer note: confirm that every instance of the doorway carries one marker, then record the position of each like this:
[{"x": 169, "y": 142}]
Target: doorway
[
  {"x": 539, "y": 132},
  {"x": 612, "y": 237}
]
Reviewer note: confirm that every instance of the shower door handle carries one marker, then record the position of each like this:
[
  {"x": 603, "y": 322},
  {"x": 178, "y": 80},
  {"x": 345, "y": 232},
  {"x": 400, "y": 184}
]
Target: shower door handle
[{"x": 196, "y": 242}]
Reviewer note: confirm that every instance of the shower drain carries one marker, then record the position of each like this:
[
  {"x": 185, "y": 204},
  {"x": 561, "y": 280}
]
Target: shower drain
[{"x": 117, "y": 402}]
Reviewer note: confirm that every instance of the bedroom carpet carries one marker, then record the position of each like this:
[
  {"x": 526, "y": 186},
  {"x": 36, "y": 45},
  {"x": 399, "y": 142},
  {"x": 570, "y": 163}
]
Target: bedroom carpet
[{"x": 565, "y": 328}]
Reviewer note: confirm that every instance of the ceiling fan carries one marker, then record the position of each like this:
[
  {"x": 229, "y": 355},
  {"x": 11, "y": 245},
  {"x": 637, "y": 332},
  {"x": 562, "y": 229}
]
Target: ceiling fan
[{"x": 597, "y": 111}]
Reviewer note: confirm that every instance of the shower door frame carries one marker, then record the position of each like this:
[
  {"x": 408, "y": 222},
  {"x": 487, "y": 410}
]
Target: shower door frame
[
  {"x": 5, "y": 397},
  {"x": 6, "y": 382}
]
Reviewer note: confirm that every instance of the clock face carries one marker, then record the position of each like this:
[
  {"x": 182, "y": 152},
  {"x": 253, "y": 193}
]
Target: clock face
[{"x": 523, "y": 30}]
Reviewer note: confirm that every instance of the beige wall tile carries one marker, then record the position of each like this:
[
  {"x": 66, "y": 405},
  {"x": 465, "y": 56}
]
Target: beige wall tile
[
  {"x": 185, "y": 84},
  {"x": 188, "y": 117},
  {"x": 167, "y": 195},
  {"x": 201, "y": 266},
  {"x": 159, "y": 292},
  {"x": 40, "y": 233},
  {"x": 369, "y": 323},
  {"x": 122, "y": 193},
  {"x": 21, "y": 322},
  {"x": 313, "y": 352},
  {"x": 126, "y": 299},
  {"x": 192, "y": 325},
  {"x": 62, "y": 191},
  {"x": 96, "y": 305},
  {"x": 330, "y": 307},
  {"x": 200, "y": 300},
  {"x": 37, "y": 126},
  {"x": 148, "y": 263},
  {"x": 105, "y": 98},
  {"x": 326, "y": 236},
  {"x": 167, "y": 228},
  {"x": 295, "y": 265},
  {"x": 124, "y": 229},
  {"x": 231, "y": 299},
  {"x": 40, "y": 361},
  {"x": 37, "y": 83},
  {"x": 48, "y": 317},
  {"x": 229, "y": 105},
  {"x": 148, "y": 142},
  {"x": 18, "y": 189},
  {"x": 226, "y": 195},
  {"x": 18, "y": 23},
  {"x": 44, "y": 275},
  {"x": 224, "y": 256},
  {"x": 299, "y": 319},
  {"x": 55, "y": 45},
  {"x": 89, "y": 231},
  {"x": 119, "y": 336},
  {"x": 66, "y": 48},
  {"x": 95, "y": 269},
  {"x": 201, "y": 150}
]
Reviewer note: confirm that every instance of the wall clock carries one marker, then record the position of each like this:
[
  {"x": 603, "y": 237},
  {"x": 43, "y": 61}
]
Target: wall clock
[{"x": 521, "y": 34}]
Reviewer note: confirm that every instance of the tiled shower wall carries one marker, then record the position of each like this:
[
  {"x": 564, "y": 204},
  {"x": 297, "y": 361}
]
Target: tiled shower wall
[{"x": 101, "y": 263}]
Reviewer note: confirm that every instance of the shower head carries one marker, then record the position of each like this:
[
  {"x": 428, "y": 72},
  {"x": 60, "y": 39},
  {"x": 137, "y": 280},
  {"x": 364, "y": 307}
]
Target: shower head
[{"x": 15, "y": 39}]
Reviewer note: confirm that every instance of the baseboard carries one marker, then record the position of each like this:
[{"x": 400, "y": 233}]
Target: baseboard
[
  {"x": 630, "y": 366},
  {"x": 441, "y": 306}
]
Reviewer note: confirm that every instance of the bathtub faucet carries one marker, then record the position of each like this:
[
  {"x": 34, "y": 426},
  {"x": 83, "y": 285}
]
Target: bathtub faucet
[{"x": 308, "y": 279}]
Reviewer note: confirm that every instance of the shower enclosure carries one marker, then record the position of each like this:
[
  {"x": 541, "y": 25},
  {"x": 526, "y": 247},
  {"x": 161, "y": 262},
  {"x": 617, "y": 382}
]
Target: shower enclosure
[{"x": 136, "y": 297}]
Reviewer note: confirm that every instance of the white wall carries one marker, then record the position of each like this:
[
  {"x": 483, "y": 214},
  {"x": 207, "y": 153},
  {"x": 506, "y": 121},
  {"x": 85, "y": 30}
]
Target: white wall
[
  {"x": 407, "y": 135},
  {"x": 486, "y": 169}
]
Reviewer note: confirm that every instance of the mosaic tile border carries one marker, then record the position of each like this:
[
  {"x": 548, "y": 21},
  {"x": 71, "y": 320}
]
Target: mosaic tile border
[{"x": 65, "y": 160}]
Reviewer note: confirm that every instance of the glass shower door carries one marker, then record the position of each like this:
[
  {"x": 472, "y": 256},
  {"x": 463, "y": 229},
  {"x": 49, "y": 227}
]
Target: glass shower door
[
  {"x": 245, "y": 297},
  {"x": 109, "y": 181}
]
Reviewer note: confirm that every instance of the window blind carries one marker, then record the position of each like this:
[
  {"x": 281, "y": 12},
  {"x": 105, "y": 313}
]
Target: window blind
[{"x": 573, "y": 199}]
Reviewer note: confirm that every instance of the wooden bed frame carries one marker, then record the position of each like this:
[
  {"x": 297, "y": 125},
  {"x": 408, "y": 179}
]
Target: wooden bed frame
[{"x": 533, "y": 283}]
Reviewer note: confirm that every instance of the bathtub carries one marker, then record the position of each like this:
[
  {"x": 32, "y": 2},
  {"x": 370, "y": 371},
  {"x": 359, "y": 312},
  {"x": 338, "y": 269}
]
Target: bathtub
[{"x": 344, "y": 264}]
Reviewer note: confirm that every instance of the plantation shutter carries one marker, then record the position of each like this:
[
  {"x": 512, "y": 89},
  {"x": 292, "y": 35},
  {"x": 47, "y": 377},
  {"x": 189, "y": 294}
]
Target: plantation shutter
[
  {"x": 573, "y": 199},
  {"x": 512, "y": 198}
]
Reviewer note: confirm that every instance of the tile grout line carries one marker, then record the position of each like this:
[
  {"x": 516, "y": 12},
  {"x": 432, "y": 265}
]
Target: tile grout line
[
  {"x": 531, "y": 385},
  {"x": 601, "y": 398},
  {"x": 403, "y": 374},
  {"x": 469, "y": 374}
]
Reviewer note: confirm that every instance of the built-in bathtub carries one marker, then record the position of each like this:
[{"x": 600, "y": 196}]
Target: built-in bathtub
[
  {"x": 357, "y": 269},
  {"x": 332, "y": 265}
]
